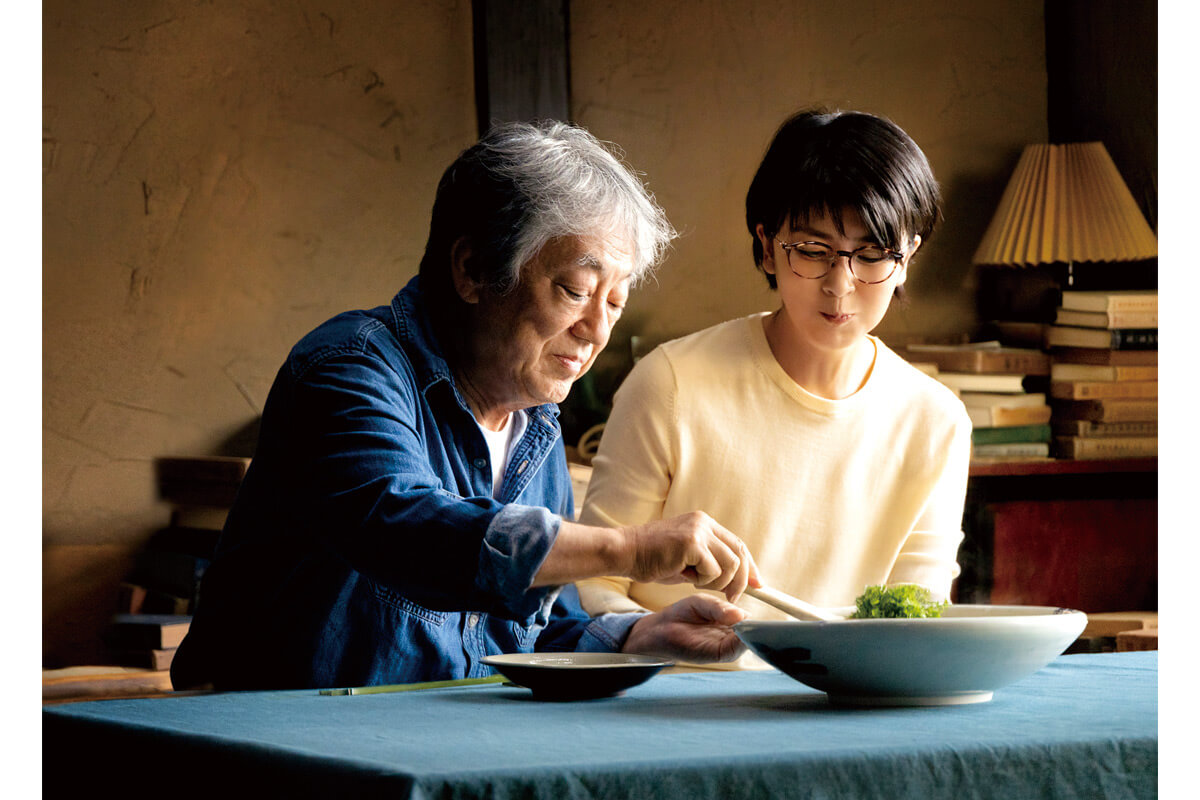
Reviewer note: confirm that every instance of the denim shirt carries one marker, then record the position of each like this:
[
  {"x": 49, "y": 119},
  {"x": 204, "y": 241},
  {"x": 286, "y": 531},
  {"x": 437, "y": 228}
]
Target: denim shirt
[{"x": 365, "y": 546}]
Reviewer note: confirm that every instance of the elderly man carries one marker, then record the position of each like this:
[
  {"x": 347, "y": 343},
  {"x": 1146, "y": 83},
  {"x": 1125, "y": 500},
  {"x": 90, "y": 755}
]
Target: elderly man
[{"x": 409, "y": 510}]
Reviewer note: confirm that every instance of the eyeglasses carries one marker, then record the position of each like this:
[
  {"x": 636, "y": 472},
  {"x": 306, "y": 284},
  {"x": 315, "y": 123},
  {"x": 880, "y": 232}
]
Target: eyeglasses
[{"x": 868, "y": 264}]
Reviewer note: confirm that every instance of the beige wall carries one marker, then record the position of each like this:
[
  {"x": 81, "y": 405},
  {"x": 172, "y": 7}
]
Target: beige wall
[
  {"x": 220, "y": 177},
  {"x": 694, "y": 90}
]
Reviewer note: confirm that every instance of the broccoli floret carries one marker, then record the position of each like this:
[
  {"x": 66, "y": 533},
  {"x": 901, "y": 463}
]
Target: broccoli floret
[{"x": 905, "y": 600}]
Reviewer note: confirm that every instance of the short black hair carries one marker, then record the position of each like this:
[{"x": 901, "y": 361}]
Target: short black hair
[{"x": 821, "y": 162}]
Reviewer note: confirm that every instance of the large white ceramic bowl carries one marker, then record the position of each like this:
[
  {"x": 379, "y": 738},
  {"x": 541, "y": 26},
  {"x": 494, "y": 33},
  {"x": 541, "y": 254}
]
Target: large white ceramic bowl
[{"x": 961, "y": 657}]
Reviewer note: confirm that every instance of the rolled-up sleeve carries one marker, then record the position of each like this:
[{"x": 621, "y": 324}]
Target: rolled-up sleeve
[
  {"x": 514, "y": 546},
  {"x": 570, "y": 628},
  {"x": 382, "y": 507}
]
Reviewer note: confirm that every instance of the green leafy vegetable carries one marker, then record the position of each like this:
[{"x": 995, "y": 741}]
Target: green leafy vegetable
[{"x": 904, "y": 600}]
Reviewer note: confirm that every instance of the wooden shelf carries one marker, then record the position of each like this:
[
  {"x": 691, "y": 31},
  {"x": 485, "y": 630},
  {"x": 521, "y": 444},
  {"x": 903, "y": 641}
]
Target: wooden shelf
[
  {"x": 1057, "y": 466},
  {"x": 1078, "y": 534}
]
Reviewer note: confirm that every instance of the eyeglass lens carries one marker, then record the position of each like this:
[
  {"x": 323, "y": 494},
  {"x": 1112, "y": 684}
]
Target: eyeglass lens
[{"x": 870, "y": 264}]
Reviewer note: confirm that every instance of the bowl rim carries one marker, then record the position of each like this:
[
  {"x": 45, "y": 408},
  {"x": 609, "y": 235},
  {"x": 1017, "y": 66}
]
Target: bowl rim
[
  {"x": 567, "y": 661},
  {"x": 997, "y": 613}
]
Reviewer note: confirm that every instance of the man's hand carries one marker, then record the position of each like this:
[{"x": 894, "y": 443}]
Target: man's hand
[
  {"x": 691, "y": 548},
  {"x": 695, "y": 629}
]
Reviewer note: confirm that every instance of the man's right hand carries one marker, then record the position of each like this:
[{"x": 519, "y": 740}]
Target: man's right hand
[{"x": 691, "y": 548}]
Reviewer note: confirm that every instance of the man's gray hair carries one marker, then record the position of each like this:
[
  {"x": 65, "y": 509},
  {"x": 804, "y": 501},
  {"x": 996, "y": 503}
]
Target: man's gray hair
[
  {"x": 524, "y": 184},
  {"x": 574, "y": 186}
]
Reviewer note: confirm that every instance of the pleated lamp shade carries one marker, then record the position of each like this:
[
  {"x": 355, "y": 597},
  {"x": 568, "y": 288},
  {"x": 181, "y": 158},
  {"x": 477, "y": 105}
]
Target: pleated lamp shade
[{"x": 1066, "y": 203}]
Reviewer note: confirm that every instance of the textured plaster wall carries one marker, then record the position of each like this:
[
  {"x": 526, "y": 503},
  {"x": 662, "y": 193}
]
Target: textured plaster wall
[
  {"x": 221, "y": 176},
  {"x": 694, "y": 90},
  {"x": 218, "y": 178}
]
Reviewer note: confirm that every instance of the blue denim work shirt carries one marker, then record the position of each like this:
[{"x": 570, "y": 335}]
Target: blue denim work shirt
[{"x": 365, "y": 546}]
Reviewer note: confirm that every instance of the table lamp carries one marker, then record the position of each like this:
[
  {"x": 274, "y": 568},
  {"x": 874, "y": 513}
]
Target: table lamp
[{"x": 1066, "y": 203}]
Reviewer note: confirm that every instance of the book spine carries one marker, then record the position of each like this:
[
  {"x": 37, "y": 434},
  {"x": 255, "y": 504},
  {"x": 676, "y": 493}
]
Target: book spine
[
  {"x": 148, "y": 634},
  {"x": 206, "y": 482},
  {"x": 1104, "y": 357},
  {"x": 1088, "y": 390},
  {"x": 1135, "y": 373},
  {"x": 1134, "y": 339},
  {"x": 1143, "y": 301},
  {"x": 1031, "y": 415},
  {"x": 1132, "y": 319},
  {"x": 1132, "y": 303},
  {"x": 983, "y": 362},
  {"x": 155, "y": 659},
  {"x": 1107, "y": 447},
  {"x": 1086, "y": 428},
  {"x": 1106, "y": 319},
  {"x": 1107, "y": 410},
  {"x": 1012, "y": 449},
  {"x": 982, "y": 382},
  {"x": 1012, "y": 433},
  {"x": 1096, "y": 372}
]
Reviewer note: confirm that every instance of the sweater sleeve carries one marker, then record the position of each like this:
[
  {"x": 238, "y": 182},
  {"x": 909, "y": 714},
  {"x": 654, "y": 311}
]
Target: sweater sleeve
[
  {"x": 928, "y": 556},
  {"x": 632, "y": 470}
]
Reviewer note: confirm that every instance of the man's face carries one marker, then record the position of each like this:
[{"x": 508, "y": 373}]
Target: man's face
[{"x": 533, "y": 343}]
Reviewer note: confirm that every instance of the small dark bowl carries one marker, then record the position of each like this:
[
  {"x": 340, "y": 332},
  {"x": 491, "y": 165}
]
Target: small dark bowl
[{"x": 576, "y": 676}]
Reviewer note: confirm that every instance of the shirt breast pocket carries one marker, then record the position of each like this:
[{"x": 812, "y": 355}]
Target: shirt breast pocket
[
  {"x": 524, "y": 636},
  {"x": 407, "y": 607}
]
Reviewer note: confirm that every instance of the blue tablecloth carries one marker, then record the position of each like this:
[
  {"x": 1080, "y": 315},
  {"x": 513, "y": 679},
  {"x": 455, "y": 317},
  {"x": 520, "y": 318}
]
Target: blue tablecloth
[{"x": 1083, "y": 727}]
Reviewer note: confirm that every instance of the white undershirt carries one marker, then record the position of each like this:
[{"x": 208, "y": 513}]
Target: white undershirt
[{"x": 500, "y": 445}]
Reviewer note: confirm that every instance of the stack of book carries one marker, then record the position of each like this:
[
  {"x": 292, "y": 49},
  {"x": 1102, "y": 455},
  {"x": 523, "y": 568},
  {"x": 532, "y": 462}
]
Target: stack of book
[
  {"x": 159, "y": 594},
  {"x": 1104, "y": 375},
  {"x": 146, "y": 640},
  {"x": 1003, "y": 389}
]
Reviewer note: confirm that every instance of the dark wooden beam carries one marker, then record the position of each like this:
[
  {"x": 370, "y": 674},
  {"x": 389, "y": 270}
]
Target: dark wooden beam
[
  {"x": 521, "y": 61},
  {"x": 1102, "y": 85}
]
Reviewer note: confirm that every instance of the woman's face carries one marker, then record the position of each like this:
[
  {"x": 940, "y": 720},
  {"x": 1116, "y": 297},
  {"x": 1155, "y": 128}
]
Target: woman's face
[
  {"x": 836, "y": 311},
  {"x": 532, "y": 344}
]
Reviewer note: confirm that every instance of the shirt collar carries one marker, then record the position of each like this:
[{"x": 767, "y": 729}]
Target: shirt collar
[{"x": 414, "y": 329}]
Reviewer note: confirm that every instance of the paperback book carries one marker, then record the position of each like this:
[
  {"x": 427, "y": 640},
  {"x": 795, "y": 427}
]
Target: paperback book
[
  {"x": 1102, "y": 338},
  {"x": 1012, "y": 450},
  {"x": 1104, "y": 357},
  {"x": 981, "y": 357},
  {"x": 1110, "y": 301},
  {"x": 1066, "y": 371},
  {"x": 1106, "y": 319},
  {"x": 1085, "y": 447},
  {"x": 1010, "y": 434},
  {"x": 983, "y": 382},
  {"x": 1089, "y": 429},
  {"x": 1087, "y": 390},
  {"x": 1106, "y": 410},
  {"x": 146, "y": 631},
  {"x": 1008, "y": 416}
]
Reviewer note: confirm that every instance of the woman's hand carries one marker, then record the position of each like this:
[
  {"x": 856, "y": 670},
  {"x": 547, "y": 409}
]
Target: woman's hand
[{"x": 695, "y": 629}]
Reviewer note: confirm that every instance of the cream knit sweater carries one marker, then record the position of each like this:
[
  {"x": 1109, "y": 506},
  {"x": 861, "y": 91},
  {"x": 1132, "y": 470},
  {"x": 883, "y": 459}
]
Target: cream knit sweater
[{"x": 830, "y": 495}]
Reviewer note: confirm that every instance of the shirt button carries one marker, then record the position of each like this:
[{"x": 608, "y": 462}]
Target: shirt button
[
  {"x": 480, "y": 463},
  {"x": 472, "y": 620},
  {"x": 522, "y": 467}
]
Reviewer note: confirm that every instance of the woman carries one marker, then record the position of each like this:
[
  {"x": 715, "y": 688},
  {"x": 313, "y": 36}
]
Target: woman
[
  {"x": 839, "y": 464},
  {"x": 408, "y": 510}
]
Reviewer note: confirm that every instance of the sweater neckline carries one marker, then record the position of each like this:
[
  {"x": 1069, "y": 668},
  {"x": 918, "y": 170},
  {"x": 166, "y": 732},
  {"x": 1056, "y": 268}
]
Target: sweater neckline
[{"x": 761, "y": 351}]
